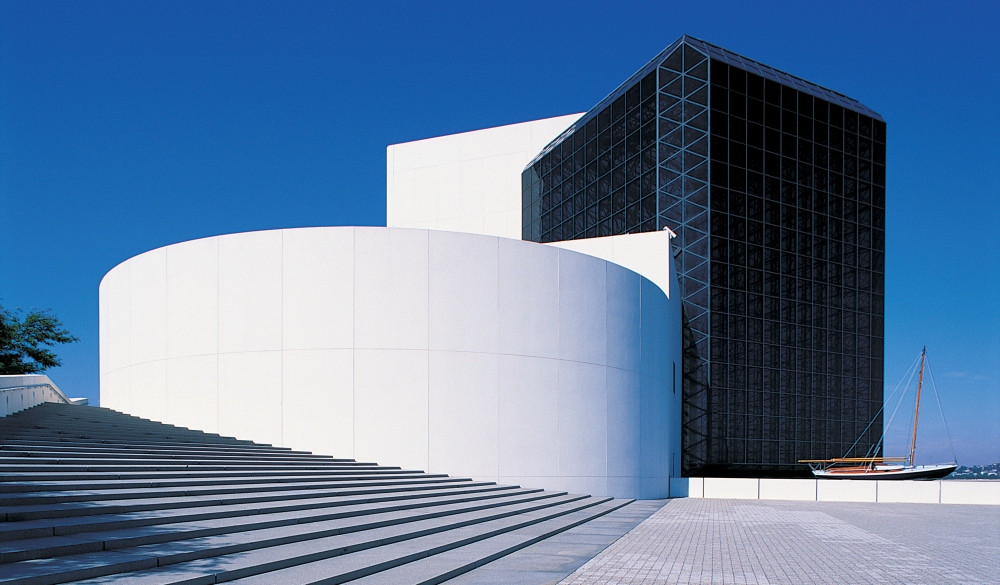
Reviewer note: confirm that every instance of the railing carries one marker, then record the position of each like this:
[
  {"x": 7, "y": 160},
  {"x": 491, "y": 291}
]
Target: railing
[{"x": 18, "y": 393}]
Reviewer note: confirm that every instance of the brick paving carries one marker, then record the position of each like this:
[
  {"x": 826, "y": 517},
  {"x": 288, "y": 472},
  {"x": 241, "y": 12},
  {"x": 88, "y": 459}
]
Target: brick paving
[{"x": 769, "y": 542}]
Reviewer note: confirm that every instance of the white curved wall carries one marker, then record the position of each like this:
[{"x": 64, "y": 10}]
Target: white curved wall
[{"x": 459, "y": 353}]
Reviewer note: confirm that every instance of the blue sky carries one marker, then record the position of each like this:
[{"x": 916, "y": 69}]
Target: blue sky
[{"x": 125, "y": 126}]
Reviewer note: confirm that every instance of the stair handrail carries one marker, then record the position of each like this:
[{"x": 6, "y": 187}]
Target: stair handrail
[
  {"x": 27, "y": 386},
  {"x": 43, "y": 382}
]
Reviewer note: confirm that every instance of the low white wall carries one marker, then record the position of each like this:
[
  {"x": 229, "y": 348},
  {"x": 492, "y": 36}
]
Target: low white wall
[
  {"x": 979, "y": 492},
  {"x": 970, "y": 492},
  {"x": 18, "y": 393},
  {"x": 787, "y": 489},
  {"x": 916, "y": 492},
  {"x": 846, "y": 490},
  {"x": 468, "y": 182},
  {"x": 458, "y": 353},
  {"x": 687, "y": 487},
  {"x": 736, "y": 488}
]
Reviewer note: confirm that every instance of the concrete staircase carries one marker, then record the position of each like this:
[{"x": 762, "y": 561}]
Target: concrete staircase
[{"x": 90, "y": 495}]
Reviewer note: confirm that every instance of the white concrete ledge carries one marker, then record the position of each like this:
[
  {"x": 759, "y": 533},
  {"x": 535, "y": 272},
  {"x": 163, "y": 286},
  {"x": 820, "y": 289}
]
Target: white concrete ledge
[
  {"x": 970, "y": 492},
  {"x": 736, "y": 488},
  {"x": 687, "y": 487},
  {"x": 914, "y": 492},
  {"x": 788, "y": 489},
  {"x": 846, "y": 490},
  {"x": 18, "y": 393},
  {"x": 976, "y": 492}
]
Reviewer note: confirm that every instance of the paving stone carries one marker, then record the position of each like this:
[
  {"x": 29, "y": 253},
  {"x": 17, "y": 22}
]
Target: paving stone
[
  {"x": 739, "y": 541},
  {"x": 552, "y": 559}
]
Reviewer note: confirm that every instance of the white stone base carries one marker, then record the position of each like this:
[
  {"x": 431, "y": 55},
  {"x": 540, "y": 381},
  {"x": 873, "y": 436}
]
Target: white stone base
[{"x": 976, "y": 492}]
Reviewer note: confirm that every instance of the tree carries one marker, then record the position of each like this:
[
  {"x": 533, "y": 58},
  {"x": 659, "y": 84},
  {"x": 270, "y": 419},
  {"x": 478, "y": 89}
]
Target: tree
[{"x": 23, "y": 344}]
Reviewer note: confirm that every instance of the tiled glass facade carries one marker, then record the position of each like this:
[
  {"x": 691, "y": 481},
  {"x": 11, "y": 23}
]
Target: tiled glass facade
[{"x": 775, "y": 188}]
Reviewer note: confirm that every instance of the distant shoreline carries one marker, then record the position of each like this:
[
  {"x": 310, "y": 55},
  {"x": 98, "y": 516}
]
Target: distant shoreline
[{"x": 977, "y": 472}]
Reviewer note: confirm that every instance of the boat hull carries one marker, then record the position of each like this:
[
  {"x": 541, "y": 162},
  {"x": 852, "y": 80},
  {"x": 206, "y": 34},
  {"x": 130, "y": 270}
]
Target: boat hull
[{"x": 918, "y": 472}]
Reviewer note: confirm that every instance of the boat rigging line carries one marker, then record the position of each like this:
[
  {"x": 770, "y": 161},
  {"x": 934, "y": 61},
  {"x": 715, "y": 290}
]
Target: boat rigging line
[{"x": 875, "y": 448}]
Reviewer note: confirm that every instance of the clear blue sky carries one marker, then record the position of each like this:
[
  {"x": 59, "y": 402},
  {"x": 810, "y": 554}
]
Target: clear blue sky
[{"x": 125, "y": 126}]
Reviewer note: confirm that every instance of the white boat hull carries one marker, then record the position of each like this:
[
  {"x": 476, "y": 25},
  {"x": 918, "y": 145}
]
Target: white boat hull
[{"x": 887, "y": 472}]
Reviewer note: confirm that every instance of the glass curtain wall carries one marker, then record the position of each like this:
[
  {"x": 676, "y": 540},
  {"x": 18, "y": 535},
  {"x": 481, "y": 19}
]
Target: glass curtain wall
[
  {"x": 797, "y": 273},
  {"x": 683, "y": 199},
  {"x": 776, "y": 190}
]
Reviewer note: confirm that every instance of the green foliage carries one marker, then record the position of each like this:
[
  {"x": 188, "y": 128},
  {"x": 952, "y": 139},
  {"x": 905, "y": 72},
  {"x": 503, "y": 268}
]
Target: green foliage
[{"x": 23, "y": 344}]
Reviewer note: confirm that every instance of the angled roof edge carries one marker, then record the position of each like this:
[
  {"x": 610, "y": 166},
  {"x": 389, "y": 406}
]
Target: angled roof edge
[
  {"x": 768, "y": 72},
  {"x": 728, "y": 57},
  {"x": 618, "y": 92}
]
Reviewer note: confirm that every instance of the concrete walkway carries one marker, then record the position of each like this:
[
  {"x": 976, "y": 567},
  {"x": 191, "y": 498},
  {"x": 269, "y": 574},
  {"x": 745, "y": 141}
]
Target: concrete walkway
[
  {"x": 550, "y": 560},
  {"x": 769, "y": 542}
]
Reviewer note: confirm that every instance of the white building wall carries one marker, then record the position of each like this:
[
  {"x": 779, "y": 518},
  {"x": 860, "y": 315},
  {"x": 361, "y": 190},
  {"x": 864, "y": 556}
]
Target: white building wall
[
  {"x": 645, "y": 253},
  {"x": 465, "y": 354},
  {"x": 648, "y": 255},
  {"x": 468, "y": 182}
]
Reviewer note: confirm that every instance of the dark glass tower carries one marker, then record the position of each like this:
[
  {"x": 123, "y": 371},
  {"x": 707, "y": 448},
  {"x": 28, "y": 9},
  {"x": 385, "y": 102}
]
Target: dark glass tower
[{"x": 775, "y": 188}]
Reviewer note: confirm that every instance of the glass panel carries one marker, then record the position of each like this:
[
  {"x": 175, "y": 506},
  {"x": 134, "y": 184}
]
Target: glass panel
[
  {"x": 675, "y": 87},
  {"x": 676, "y": 163},
  {"x": 691, "y": 111},
  {"x": 691, "y": 56},
  {"x": 701, "y": 147},
  {"x": 699, "y": 121},
  {"x": 692, "y": 85},
  {"x": 675, "y": 113},
  {"x": 700, "y": 95},
  {"x": 700, "y": 70},
  {"x": 666, "y": 76},
  {"x": 674, "y": 61},
  {"x": 675, "y": 138},
  {"x": 692, "y": 135}
]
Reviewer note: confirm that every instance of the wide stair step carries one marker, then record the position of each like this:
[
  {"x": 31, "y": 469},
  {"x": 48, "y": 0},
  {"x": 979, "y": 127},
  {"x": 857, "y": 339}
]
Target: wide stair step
[{"x": 89, "y": 495}]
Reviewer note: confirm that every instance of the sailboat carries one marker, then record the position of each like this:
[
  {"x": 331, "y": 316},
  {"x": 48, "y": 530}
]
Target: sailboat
[{"x": 884, "y": 467}]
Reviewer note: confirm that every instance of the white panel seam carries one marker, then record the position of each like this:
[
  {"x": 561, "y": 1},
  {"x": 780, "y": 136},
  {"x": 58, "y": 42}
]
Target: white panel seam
[
  {"x": 281, "y": 346},
  {"x": 354, "y": 341},
  {"x": 497, "y": 340},
  {"x": 128, "y": 330},
  {"x": 607, "y": 385},
  {"x": 218, "y": 329},
  {"x": 559, "y": 461},
  {"x": 427, "y": 378}
]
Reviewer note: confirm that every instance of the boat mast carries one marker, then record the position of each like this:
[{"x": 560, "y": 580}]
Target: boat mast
[{"x": 916, "y": 411}]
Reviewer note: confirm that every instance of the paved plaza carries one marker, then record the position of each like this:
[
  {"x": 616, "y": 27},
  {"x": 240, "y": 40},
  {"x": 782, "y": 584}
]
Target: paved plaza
[{"x": 769, "y": 542}]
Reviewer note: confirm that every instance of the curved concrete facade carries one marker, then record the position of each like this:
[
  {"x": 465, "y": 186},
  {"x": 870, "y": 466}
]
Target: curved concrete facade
[{"x": 459, "y": 353}]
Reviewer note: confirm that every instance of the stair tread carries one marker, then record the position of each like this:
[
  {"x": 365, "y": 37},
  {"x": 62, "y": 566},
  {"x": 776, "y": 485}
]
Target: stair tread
[
  {"x": 282, "y": 543},
  {"x": 358, "y": 515},
  {"x": 24, "y": 491},
  {"x": 84, "y": 508},
  {"x": 352, "y": 555},
  {"x": 12, "y": 498},
  {"x": 75, "y": 524},
  {"x": 120, "y": 484},
  {"x": 461, "y": 559},
  {"x": 91, "y": 495},
  {"x": 415, "y": 478}
]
